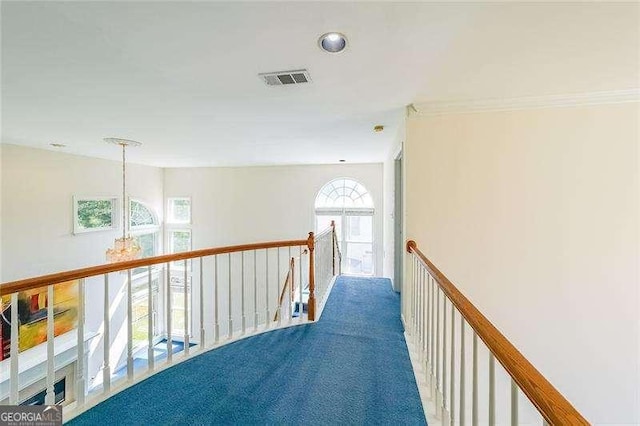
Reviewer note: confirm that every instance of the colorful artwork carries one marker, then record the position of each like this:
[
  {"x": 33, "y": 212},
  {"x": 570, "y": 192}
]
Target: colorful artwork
[{"x": 32, "y": 316}]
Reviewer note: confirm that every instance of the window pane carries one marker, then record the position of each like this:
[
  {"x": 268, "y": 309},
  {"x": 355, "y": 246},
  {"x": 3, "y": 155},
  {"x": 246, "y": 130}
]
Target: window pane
[
  {"x": 179, "y": 210},
  {"x": 147, "y": 243},
  {"x": 140, "y": 215},
  {"x": 180, "y": 241},
  {"x": 95, "y": 214},
  {"x": 359, "y": 259}
]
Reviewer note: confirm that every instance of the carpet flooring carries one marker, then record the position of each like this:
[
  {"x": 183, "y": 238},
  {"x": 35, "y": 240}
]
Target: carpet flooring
[{"x": 350, "y": 368}]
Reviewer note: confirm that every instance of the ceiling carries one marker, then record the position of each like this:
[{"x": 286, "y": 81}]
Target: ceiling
[{"x": 181, "y": 77}]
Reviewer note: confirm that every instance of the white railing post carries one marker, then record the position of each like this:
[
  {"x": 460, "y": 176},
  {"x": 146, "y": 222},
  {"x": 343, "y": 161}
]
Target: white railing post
[
  {"x": 278, "y": 292},
  {"x": 106, "y": 369},
  {"x": 169, "y": 315},
  {"x": 244, "y": 316},
  {"x": 492, "y": 390},
  {"x": 427, "y": 339},
  {"x": 474, "y": 381},
  {"x": 444, "y": 354},
  {"x": 432, "y": 335},
  {"x": 255, "y": 291},
  {"x": 452, "y": 401},
  {"x": 186, "y": 308},
  {"x": 462, "y": 372},
  {"x": 202, "y": 333},
  {"x": 150, "y": 355},
  {"x": 230, "y": 328},
  {"x": 80, "y": 366},
  {"x": 50, "y": 398},
  {"x": 514, "y": 403},
  {"x": 13, "y": 351},
  {"x": 216, "y": 323},
  {"x": 129, "y": 327},
  {"x": 438, "y": 398},
  {"x": 267, "y": 317}
]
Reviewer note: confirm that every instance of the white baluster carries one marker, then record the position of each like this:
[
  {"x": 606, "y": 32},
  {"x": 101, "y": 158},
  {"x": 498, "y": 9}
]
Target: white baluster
[
  {"x": 266, "y": 286},
  {"x": 437, "y": 378},
  {"x": 300, "y": 307},
  {"x": 428, "y": 329},
  {"x": 50, "y": 398},
  {"x": 492, "y": 390},
  {"x": 13, "y": 350},
  {"x": 129, "y": 327},
  {"x": 230, "y": 331},
  {"x": 444, "y": 353},
  {"x": 474, "y": 382},
  {"x": 150, "y": 354},
  {"x": 452, "y": 401},
  {"x": 106, "y": 370},
  {"x": 255, "y": 291},
  {"x": 514, "y": 403},
  {"x": 244, "y": 318},
  {"x": 80, "y": 365},
  {"x": 462, "y": 372},
  {"x": 278, "y": 291},
  {"x": 202, "y": 333},
  {"x": 168, "y": 315},
  {"x": 290, "y": 289},
  {"x": 432, "y": 335},
  {"x": 186, "y": 308},
  {"x": 216, "y": 323}
]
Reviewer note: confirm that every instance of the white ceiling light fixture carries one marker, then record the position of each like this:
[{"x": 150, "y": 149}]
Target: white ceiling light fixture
[
  {"x": 125, "y": 248},
  {"x": 333, "y": 42}
]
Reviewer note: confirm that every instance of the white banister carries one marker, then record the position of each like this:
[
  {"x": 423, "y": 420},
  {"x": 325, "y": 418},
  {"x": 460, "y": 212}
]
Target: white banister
[
  {"x": 150, "y": 356},
  {"x": 444, "y": 352},
  {"x": 242, "y": 308},
  {"x": 50, "y": 397},
  {"x": 229, "y": 306},
  {"x": 514, "y": 403},
  {"x": 186, "y": 308},
  {"x": 437, "y": 379},
  {"x": 13, "y": 350},
  {"x": 216, "y": 323},
  {"x": 255, "y": 291},
  {"x": 462, "y": 372},
  {"x": 80, "y": 379},
  {"x": 202, "y": 330},
  {"x": 168, "y": 315},
  {"x": 452, "y": 401},
  {"x": 492, "y": 390},
  {"x": 129, "y": 326},
  {"x": 106, "y": 369},
  {"x": 278, "y": 291},
  {"x": 267, "y": 316},
  {"x": 474, "y": 385}
]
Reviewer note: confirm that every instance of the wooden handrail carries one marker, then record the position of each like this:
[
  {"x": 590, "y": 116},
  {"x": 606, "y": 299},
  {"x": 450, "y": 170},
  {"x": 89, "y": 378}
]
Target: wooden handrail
[
  {"x": 554, "y": 407},
  {"x": 59, "y": 277}
]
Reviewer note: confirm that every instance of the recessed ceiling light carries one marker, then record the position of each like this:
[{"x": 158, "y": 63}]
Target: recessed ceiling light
[
  {"x": 332, "y": 42},
  {"x": 342, "y": 161},
  {"x": 58, "y": 145}
]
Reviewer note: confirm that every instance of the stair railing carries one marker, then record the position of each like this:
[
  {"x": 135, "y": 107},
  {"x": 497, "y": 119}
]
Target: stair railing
[
  {"x": 286, "y": 295},
  {"x": 191, "y": 301},
  {"x": 429, "y": 312}
]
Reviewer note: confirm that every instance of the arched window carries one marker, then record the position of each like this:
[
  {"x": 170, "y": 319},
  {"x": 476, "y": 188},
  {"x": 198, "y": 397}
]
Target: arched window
[
  {"x": 349, "y": 204},
  {"x": 144, "y": 226}
]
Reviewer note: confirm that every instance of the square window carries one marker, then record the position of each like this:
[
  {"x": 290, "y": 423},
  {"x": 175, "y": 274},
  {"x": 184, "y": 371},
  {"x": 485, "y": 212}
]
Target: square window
[
  {"x": 94, "y": 214},
  {"x": 179, "y": 210}
]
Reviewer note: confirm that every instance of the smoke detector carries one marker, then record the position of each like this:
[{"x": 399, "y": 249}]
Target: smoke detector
[{"x": 283, "y": 78}]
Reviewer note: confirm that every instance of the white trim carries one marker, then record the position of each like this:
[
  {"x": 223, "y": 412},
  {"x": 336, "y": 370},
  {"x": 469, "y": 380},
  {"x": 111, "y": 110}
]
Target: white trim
[{"x": 528, "y": 102}]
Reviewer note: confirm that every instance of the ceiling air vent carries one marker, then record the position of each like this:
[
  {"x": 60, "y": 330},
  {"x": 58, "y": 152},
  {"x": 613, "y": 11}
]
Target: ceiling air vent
[{"x": 282, "y": 78}]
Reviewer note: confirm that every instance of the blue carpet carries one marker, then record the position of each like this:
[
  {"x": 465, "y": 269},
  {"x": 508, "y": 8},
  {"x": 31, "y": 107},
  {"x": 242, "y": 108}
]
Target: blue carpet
[{"x": 351, "y": 367}]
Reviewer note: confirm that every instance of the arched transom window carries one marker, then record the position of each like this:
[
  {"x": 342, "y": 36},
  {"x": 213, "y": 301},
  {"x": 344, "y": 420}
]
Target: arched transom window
[{"x": 343, "y": 193}]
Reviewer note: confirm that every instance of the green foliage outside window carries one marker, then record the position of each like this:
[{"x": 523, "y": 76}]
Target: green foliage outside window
[{"x": 94, "y": 214}]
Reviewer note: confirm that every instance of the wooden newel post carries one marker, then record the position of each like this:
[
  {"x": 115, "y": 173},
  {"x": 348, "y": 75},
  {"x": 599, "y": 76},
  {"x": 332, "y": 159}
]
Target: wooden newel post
[
  {"x": 333, "y": 246},
  {"x": 311, "y": 309}
]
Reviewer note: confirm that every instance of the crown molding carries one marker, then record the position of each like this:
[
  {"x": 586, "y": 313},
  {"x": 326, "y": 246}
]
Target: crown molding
[{"x": 529, "y": 102}]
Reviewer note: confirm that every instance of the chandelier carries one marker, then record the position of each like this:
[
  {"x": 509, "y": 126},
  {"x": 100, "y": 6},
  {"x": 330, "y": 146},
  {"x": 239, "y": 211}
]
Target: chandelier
[{"x": 125, "y": 248}]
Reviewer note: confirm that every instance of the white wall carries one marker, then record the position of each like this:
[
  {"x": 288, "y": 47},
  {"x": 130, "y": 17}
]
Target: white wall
[
  {"x": 37, "y": 225},
  {"x": 37, "y": 218},
  {"x": 252, "y": 204},
  {"x": 534, "y": 215}
]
